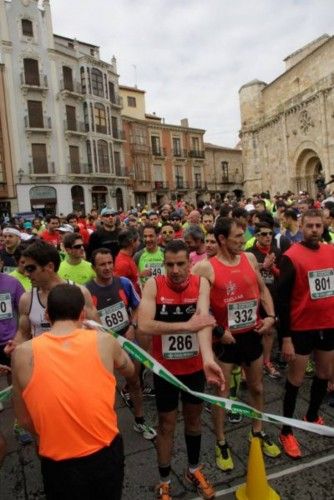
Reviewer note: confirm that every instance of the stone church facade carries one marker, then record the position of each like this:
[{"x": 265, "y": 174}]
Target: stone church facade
[{"x": 287, "y": 126}]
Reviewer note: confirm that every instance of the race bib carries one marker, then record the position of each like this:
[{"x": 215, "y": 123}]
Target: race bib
[
  {"x": 156, "y": 269},
  {"x": 6, "y": 311},
  {"x": 321, "y": 283},
  {"x": 115, "y": 317},
  {"x": 242, "y": 315},
  {"x": 180, "y": 346},
  {"x": 267, "y": 277}
]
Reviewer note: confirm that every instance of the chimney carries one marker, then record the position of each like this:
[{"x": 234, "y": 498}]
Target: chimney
[{"x": 184, "y": 122}]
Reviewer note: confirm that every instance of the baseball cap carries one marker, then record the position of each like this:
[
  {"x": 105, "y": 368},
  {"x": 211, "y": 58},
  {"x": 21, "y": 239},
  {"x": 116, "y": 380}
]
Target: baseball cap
[
  {"x": 108, "y": 211},
  {"x": 175, "y": 216},
  {"x": 65, "y": 228}
]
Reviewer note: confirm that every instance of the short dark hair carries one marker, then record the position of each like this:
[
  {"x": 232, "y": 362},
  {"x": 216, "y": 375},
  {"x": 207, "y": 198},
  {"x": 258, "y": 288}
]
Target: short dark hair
[
  {"x": 103, "y": 251},
  {"x": 291, "y": 213},
  {"x": 151, "y": 226},
  {"x": 240, "y": 212},
  {"x": 65, "y": 302},
  {"x": 260, "y": 225},
  {"x": 71, "y": 216},
  {"x": 224, "y": 225},
  {"x": 176, "y": 246},
  {"x": 49, "y": 217},
  {"x": 43, "y": 253},
  {"x": 70, "y": 238},
  {"x": 195, "y": 232},
  {"x": 127, "y": 236},
  {"x": 312, "y": 212},
  {"x": 266, "y": 217},
  {"x": 19, "y": 251},
  {"x": 210, "y": 230}
]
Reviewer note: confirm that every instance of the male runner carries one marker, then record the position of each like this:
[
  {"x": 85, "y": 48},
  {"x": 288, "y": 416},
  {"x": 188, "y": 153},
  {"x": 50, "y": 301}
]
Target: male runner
[
  {"x": 306, "y": 291},
  {"x": 117, "y": 302},
  {"x": 74, "y": 267},
  {"x": 12, "y": 239},
  {"x": 124, "y": 263},
  {"x": 237, "y": 290},
  {"x": 150, "y": 259},
  {"x": 64, "y": 392},
  {"x": 175, "y": 310}
]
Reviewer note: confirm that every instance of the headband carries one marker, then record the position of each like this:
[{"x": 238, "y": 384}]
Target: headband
[{"x": 11, "y": 230}]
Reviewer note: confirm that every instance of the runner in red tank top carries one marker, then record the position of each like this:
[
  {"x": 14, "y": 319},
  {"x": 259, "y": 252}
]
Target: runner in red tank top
[
  {"x": 175, "y": 310},
  {"x": 306, "y": 292},
  {"x": 237, "y": 290}
]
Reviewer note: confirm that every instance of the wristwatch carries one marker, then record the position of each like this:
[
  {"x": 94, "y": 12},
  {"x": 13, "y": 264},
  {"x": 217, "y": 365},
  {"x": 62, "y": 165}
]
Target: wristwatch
[{"x": 272, "y": 316}]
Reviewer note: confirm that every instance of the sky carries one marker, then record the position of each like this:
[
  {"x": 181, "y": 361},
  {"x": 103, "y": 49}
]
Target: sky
[{"x": 192, "y": 56}]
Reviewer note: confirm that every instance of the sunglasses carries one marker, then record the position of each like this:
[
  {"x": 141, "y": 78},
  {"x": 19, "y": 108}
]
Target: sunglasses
[
  {"x": 266, "y": 233},
  {"x": 108, "y": 215},
  {"x": 30, "y": 268},
  {"x": 78, "y": 246}
]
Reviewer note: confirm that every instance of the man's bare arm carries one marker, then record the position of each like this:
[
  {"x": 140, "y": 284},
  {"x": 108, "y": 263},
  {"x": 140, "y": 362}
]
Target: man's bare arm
[
  {"x": 90, "y": 309},
  {"x": 24, "y": 327},
  {"x": 19, "y": 360},
  {"x": 149, "y": 326},
  {"x": 203, "y": 269}
]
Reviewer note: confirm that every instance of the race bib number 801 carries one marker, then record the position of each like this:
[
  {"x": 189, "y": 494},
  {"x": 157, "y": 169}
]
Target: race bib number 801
[
  {"x": 321, "y": 283},
  {"x": 180, "y": 346}
]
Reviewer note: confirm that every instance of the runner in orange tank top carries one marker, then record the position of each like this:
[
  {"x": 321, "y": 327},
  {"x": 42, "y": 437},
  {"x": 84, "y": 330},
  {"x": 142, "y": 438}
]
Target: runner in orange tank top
[
  {"x": 56, "y": 376},
  {"x": 237, "y": 290}
]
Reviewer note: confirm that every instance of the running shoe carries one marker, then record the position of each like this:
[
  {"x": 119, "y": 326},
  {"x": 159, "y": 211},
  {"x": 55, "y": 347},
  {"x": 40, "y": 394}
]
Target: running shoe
[
  {"x": 163, "y": 491},
  {"x": 125, "y": 394},
  {"x": 310, "y": 368},
  {"x": 148, "y": 391},
  {"x": 147, "y": 431},
  {"x": 200, "y": 482},
  {"x": 319, "y": 420},
  {"x": 271, "y": 370},
  {"x": 290, "y": 445},
  {"x": 269, "y": 448},
  {"x": 224, "y": 460},
  {"x": 234, "y": 417},
  {"x": 24, "y": 437}
]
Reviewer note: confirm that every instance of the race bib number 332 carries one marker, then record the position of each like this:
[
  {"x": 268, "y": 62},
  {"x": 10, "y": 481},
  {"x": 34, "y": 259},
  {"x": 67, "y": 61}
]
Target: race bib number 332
[
  {"x": 242, "y": 314},
  {"x": 321, "y": 283}
]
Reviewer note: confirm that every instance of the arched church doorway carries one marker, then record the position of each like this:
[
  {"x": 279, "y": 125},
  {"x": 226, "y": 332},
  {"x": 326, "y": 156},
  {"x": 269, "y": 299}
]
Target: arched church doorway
[{"x": 308, "y": 169}]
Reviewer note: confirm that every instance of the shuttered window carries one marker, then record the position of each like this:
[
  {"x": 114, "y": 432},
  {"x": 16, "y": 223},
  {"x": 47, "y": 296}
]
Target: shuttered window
[
  {"x": 39, "y": 158},
  {"x": 31, "y": 74},
  {"x": 35, "y": 113}
]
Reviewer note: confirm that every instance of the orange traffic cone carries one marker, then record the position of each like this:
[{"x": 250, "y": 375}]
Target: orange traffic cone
[{"x": 256, "y": 487}]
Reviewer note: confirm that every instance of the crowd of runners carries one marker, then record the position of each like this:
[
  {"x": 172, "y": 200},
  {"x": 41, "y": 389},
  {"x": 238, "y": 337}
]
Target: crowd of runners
[{"x": 219, "y": 294}]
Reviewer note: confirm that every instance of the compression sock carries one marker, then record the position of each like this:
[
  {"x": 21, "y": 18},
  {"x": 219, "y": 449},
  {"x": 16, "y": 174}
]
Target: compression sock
[
  {"x": 193, "y": 444},
  {"x": 289, "y": 404},
  {"x": 318, "y": 392}
]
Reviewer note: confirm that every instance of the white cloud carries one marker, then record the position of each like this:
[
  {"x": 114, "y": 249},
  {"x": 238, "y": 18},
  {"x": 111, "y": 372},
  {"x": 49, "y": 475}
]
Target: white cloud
[{"x": 192, "y": 56}]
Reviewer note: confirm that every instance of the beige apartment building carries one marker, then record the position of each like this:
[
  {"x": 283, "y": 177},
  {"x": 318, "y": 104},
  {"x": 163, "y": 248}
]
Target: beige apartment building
[
  {"x": 223, "y": 170},
  {"x": 162, "y": 160},
  {"x": 63, "y": 117},
  {"x": 287, "y": 126}
]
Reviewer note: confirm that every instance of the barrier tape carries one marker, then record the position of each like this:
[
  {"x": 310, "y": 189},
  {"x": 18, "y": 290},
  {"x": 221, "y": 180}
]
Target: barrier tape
[
  {"x": 6, "y": 393},
  {"x": 146, "y": 359}
]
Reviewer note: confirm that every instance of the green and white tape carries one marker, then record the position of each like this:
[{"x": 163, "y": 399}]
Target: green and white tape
[
  {"x": 143, "y": 357},
  {"x": 6, "y": 393}
]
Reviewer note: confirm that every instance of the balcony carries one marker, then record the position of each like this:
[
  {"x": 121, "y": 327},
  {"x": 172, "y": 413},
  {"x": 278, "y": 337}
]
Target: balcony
[
  {"x": 71, "y": 89},
  {"x": 75, "y": 128},
  {"x": 200, "y": 186},
  {"x": 196, "y": 153},
  {"x": 42, "y": 169},
  {"x": 41, "y": 126},
  {"x": 181, "y": 185},
  {"x": 226, "y": 180},
  {"x": 79, "y": 169},
  {"x": 142, "y": 185},
  {"x": 158, "y": 152},
  {"x": 116, "y": 101},
  {"x": 180, "y": 153},
  {"x": 161, "y": 186},
  {"x": 138, "y": 148},
  {"x": 118, "y": 134},
  {"x": 36, "y": 82}
]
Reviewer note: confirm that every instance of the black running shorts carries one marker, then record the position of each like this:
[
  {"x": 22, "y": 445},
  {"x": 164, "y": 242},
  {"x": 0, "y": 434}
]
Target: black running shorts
[
  {"x": 247, "y": 348},
  {"x": 167, "y": 395},
  {"x": 313, "y": 340}
]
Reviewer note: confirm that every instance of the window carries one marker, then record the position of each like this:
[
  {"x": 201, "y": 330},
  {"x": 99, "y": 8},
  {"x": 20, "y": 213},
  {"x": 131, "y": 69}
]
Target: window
[
  {"x": 70, "y": 45},
  {"x": 86, "y": 119},
  {"x": 97, "y": 82},
  {"x": 35, "y": 114},
  {"x": 155, "y": 141},
  {"x": 89, "y": 156},
  {"x": 100, "y": 118},
  {"x": 67, "y": 78},
  {"x": 118, "y": 168},
  {"x": 74, "y": 160},
  {"x": 102, "y": 151},
  {"x": 31, "y": 74},
  {"x": 195, "y": 143},
  {"x": 39, "y": 159},
  {"x": 132, "y": 102},
  {"x": 92, "y": 52},
  {"x": 27, "y": 29},
  {"x": 176, "y": 146},
  {"x": 83, "y": 80},
  {"x": 198, "y": 181},
  {"x": 112, "y": 95},
  {"x": 71, "y": 118},
  {"x": 114, "y": 126},
  {"x": 225, "y": 171}
]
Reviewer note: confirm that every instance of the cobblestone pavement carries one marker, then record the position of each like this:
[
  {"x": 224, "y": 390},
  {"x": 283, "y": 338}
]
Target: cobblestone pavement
[{"x": 309, "y": 478}]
